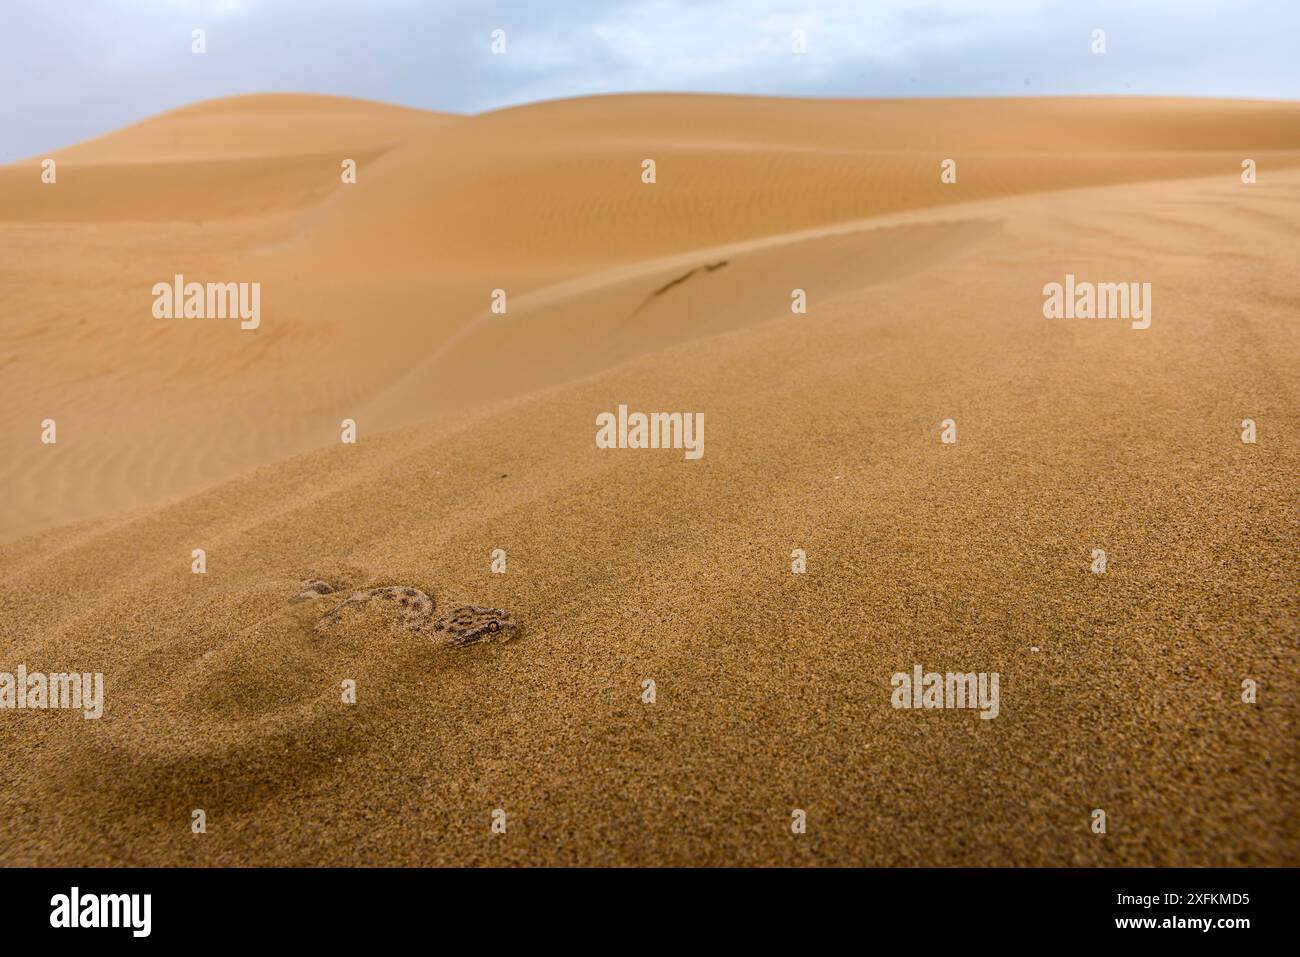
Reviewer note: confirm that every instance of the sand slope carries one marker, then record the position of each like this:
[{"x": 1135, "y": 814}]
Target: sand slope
[
  {"x": 822, "y": 434},
  {"x": 379, "y": 290}
]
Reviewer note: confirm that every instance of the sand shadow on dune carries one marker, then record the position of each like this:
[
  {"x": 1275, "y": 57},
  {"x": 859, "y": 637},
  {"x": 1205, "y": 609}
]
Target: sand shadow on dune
[{"x": 274, "y": 704}]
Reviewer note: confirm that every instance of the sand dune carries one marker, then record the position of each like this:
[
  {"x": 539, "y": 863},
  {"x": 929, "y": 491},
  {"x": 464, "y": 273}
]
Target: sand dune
[
  {"x": 1120, "y": 691},
  {"x": 446, "y": 210}
]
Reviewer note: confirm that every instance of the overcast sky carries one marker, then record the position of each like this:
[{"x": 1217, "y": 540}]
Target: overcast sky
[{"x": 72, "y": 69}]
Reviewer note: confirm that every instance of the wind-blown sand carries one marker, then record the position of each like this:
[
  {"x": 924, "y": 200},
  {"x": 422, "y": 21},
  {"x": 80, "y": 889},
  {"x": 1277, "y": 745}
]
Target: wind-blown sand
[{"x": 1119, "y": 691}]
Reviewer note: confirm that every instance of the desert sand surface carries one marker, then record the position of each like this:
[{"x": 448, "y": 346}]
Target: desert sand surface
[{"x": 1119, "y": 691}]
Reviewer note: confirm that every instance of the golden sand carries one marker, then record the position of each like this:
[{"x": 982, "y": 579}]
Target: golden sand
[{"x": 1119, "y": 691}]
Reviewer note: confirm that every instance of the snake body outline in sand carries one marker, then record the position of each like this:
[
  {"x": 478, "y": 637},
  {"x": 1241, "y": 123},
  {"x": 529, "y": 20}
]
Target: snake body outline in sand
[{"x": 413, "y": 609}]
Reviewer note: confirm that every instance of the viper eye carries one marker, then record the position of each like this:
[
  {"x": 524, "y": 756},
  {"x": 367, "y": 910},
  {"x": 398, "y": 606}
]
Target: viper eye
[{"x": 493, "y": 626}]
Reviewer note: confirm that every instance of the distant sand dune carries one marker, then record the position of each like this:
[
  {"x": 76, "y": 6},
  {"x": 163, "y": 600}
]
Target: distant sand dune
[{"x": 448, "y": 208}]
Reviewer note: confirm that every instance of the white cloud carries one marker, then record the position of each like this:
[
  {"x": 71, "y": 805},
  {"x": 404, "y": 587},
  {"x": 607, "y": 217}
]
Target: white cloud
[{"x": 72, "y": 70}]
